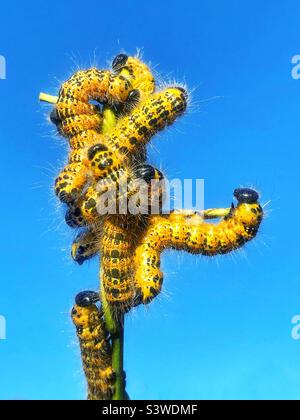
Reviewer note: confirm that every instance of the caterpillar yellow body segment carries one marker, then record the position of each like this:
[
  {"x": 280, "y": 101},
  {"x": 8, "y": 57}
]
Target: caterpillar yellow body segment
[
  {"x": 95, "y": 350},
  {"x": 192, "y": 234}
]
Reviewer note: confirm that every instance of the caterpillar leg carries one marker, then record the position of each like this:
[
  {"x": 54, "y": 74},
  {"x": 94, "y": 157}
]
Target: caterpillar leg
[
  {"x": 192, "y": 234},
  {"x": 94, "y": 345}
]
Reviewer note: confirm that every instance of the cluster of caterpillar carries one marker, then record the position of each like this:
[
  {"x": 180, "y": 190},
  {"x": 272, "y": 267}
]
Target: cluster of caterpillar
[
  {"x": 95, "y": 346},
  {"x": 107, "y": 144},
  {"x": 108, "y": 148}
]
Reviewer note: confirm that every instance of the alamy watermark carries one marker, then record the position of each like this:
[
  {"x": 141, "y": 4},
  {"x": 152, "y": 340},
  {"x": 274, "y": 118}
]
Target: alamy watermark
[
  {"x": 159, "y": 196},
  {"x": 296, "y": 68},
  {"x": 296, "y": 328},
  {"x": 2, "y": 327},
  {"x": 2, "y": 67}
]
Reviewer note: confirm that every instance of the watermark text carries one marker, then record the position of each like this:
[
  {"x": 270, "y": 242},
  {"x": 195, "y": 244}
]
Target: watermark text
[
  {"x": 296, "y": 328},
  {"x": 2, "y": 67},
  {"x": 2, "y": 328}
]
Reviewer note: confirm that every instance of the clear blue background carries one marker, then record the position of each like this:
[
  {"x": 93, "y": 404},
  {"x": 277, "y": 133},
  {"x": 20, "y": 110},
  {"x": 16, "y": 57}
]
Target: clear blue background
[{"x": 222, "y": 327}]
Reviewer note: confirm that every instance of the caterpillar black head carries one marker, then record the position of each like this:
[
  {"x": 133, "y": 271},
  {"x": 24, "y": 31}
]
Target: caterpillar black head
[
  {"x": 119, "y": 61},
  {"x": 184, "y": 92},
  {"x": 86, "y": 298},
  {"x": 100, "y": 160},
  {"x": 148, "y": 172},
  {"x": 74, "y": 218},
  {"x": 246, "y": 195},
  {"x": 54, "y": 118},
  {"x": 99, "y": 147}
]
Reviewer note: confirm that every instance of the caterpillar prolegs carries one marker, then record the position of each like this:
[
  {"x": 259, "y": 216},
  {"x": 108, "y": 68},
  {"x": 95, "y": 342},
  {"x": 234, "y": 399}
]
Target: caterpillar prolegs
[{"x": 94, "y": 345}]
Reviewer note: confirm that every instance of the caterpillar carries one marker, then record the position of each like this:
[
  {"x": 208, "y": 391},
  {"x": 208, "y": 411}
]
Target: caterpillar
[
  {"x": 94, "y": 345},
  {"x": 190, "y": 233}
]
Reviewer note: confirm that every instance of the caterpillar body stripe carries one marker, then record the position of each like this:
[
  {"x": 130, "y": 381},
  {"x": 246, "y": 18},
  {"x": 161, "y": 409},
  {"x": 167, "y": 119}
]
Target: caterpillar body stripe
[
  {"x": 94, "y": 345},
  {"x": 190, "y": 233}
]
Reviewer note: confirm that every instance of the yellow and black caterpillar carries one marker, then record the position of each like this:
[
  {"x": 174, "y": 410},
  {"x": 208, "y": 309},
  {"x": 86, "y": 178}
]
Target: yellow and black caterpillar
[
  {"x": 189, "y": 232},
  {"x": 95, "y": 346}
]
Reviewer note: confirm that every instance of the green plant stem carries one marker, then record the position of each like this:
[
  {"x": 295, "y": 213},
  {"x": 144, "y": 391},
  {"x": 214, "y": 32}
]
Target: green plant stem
[
  {"x": 117, "y": 362},
  {"x": 114, "y": 324},
  {"x": 116, "y": 330}
]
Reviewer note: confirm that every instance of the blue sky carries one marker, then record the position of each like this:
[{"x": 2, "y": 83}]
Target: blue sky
[{"x": 222, "y": 327}]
